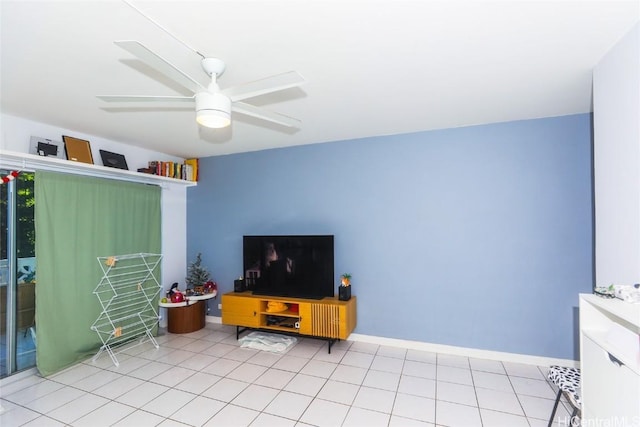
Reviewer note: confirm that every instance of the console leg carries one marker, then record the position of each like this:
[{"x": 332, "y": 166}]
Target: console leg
[
  {"x": 330, "y": 342},
  {"x": 240, "y": 330}
]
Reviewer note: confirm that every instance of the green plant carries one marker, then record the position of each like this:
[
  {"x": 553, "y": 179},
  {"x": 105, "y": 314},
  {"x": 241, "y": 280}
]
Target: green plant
[
  {"x": 197, "y": 275},
  {"x": 345, "y": 279},
  {"x": 25, "y": 214}
]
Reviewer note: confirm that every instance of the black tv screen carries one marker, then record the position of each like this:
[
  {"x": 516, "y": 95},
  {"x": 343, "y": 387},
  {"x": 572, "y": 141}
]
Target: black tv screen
[{"x": 293, "y": 266}]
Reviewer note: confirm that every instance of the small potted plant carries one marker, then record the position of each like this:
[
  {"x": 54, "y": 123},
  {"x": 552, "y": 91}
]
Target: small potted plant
[
  {"x": 344, "y": 290},
  {"x": 200, "y": 278}
]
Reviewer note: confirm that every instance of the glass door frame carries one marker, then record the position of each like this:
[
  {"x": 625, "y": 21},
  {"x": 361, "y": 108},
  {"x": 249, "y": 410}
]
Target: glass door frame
[
  {"x": 16, "y": 348},
  {"x": 10, "y": 332}
]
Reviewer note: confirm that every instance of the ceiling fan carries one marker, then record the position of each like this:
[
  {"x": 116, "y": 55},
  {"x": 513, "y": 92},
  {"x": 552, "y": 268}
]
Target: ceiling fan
[{"x": 213, "y": 105}]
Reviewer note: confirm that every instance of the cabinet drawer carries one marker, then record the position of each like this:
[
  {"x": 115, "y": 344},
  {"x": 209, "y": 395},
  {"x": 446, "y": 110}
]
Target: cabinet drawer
[{"x": 610, "y": 392}]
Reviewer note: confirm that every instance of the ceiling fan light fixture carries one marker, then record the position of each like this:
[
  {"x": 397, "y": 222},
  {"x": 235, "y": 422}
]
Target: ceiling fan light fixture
[{"x": 213, "y": 110}]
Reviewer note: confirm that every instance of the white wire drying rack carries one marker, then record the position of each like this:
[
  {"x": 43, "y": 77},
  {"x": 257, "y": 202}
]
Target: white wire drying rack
[{"x": 126, "y": 292}]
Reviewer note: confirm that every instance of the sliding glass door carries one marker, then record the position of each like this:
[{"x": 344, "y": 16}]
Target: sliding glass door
[{"x": 17, "y": 274}]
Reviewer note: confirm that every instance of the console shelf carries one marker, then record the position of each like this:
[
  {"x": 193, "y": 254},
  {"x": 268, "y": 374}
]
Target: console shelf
[{"x": 328, "y": 318}]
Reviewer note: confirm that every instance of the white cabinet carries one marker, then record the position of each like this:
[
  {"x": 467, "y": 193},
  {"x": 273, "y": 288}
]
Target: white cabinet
[{"x": 610, "y": 361}]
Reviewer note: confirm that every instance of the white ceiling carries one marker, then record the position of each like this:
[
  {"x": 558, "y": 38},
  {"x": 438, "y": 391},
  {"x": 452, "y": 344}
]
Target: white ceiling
[{"x": 372, "y": 67}]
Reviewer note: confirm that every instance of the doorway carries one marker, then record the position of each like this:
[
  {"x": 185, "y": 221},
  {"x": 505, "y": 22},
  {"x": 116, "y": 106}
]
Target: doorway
[{"x": 17, "y": 273}]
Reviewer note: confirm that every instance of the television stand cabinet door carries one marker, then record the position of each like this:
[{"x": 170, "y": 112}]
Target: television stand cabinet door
[
  {"x": 240, "y": 309},
  {"x": 327, "y": 318}
]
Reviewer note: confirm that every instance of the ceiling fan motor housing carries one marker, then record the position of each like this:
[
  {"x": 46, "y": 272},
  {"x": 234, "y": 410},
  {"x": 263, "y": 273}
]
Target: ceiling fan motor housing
[{"x": 213, "y": 110}]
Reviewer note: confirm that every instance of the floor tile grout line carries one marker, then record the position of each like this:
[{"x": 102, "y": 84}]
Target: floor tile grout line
[{"x": 325, "y": 379}]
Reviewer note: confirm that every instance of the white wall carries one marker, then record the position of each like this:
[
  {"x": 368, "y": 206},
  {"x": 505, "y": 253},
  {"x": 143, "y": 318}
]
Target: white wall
[
  {"x": 15, "y": 134},
  {"x": 616, "y": 89},
  {"x": 174, "y": 239}
]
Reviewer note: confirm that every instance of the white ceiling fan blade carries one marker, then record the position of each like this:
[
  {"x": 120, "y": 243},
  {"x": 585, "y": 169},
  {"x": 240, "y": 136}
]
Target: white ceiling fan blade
[
  {"x": 144, "y": 98},
  {"x": 260, "y": 113},
  {"x": 159, "y": 63},
  {"x": 267, "y": 85}
]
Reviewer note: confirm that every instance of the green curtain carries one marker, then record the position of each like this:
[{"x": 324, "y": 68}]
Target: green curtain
[{"x": 77, "y": 220}]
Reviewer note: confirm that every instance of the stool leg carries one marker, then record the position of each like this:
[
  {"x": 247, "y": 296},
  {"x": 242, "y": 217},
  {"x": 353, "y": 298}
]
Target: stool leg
[
  {"x": 555, "y": 406},
  {"x": 573, "y": 416}
]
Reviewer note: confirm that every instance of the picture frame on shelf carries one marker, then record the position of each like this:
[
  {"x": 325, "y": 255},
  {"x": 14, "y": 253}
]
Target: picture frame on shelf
[
  {"x": 113, "y": 160},
  {"x": 78, "y": 150},
  {"x": 47, "y": 148}
]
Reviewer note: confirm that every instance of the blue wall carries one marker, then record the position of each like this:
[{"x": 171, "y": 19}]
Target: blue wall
[{"x": 476, "y": 237}]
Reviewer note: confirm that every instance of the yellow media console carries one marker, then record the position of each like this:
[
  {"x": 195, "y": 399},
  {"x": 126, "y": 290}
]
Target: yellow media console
[{"x": 328, "y": 318}]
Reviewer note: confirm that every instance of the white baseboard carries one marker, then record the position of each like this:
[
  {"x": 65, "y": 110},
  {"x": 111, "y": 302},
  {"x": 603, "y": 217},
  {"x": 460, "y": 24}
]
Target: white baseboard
[
  {"x": 465, "y": 351},
  {"x": 453, "y": 350},
  {"x": 214, "y": 319}
]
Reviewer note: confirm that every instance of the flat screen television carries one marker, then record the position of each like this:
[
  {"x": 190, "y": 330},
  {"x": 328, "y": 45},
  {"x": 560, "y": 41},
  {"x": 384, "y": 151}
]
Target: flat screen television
[{"x": 293, "y": 266}]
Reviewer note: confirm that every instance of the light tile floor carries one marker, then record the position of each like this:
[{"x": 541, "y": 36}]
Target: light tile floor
[
  {"x": 206, "y": 379},
  {"x": 25, "y": 350}
]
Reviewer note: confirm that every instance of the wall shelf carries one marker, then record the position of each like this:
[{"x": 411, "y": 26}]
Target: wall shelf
[{"x": 21, "y": 161}]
